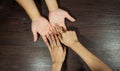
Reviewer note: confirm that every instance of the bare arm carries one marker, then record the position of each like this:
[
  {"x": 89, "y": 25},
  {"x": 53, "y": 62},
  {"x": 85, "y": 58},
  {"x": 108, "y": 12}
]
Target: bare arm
[
  {"x": 69, "y": 38},
  {"x": 92, "y": 61},
  {"x": 57, "y": 15},
  {"x": 39, "y": 25},
  {"x": 56, "y": 67},
  {"x": 52, "y": 4},
  {"x": 30, "y": 8},
  {"x": 57, "y": 52}
]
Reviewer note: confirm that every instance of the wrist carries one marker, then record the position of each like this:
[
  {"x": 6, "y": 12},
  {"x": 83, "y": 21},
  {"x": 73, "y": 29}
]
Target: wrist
[
  {"x": 73, "y": 44},
  {"x": 76, "y": 45},
  {"x": 57, "y": 63},
  {"x": 56, "y": 66},
  {"x": 53, "y": 9},
  {"x": 36, "y": 17}
]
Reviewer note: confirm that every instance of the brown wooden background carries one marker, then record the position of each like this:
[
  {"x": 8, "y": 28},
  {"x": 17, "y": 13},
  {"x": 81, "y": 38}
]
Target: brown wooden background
[{"x": 97, "y": 21}]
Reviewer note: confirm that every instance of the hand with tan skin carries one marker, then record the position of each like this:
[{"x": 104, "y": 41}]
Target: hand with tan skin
[
  {"x": 57, "y": 52},
  {"x": 69, "y": 38}
]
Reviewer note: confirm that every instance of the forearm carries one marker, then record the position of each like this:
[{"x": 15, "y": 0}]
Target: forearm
[
  {"x": 91, "y": 60},
  {"x": 52, "y": 4},
  {"x": 30, "y": 8},
  {"x": 56, "y": 67}
]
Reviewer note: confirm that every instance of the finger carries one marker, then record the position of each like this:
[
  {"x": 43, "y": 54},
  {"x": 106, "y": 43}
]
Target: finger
[
  {"x": 52, "y": 30},
  {"x": 55, "y": 30},
  {"x": 53, "y": 40},
  {"x": 64, "y": 30},
  {"x": 57, "y": 41},
  {"x": 59, "y": 28},
  {"x": 35, "y": 35},
  {"x": 50, "y": 40},
  {"x": 70, "y": 17},
  {"x": 63, "y": 24},
  {"x": 60, "y": 38},
  {"x": 46, "y": 40}
]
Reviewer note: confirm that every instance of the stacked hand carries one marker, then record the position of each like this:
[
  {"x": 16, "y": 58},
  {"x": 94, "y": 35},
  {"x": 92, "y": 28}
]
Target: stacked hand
[
  {"x": 57, "y": 52},
  {"x": 66, "y": 37},
  {"x": 48, "y": 31},
  {"x": 42, "y": 26}
]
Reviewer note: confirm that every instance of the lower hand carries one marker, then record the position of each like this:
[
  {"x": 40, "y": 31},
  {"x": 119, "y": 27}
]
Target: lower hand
[
  {"x": 57, "y": 52},
  {"x": 40, "y": 26}
]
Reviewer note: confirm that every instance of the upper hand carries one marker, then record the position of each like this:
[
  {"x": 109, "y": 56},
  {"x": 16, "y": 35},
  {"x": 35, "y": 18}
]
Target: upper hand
[
  {"x": 68, "y": 38},
  {"x": 58, "y": 17}
]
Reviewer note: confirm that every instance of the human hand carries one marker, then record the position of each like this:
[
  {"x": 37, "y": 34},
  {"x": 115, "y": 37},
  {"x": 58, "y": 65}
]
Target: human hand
[
  {"x": 58, "y": 17},
  {"x": 40, "y": 26},
  {"x": 68, "y": 38},
  {"x": 57, "y": 52}
]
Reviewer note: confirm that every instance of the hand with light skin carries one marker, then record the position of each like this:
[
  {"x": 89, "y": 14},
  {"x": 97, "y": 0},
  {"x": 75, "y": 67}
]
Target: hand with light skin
[
  {"x": 57, "y": 52},
  {"x": 57, "y": 15},
  {"x": 40, "y": 26}
]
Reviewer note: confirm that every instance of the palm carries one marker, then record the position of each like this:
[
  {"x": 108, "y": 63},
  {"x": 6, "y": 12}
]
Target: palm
[
  {"x": 40, "y": 26},
  {"x": 58, "y": 17}
]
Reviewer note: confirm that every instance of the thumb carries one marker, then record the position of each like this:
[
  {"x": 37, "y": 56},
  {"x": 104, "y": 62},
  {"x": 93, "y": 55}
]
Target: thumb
[
  {"x": 70, "y": 17},
  {"x": 35, "y": 35}
]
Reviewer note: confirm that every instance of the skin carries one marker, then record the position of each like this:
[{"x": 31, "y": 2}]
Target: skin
[
  {"x": 57, "y": 52},
  {"x": 70, "y": 39},
  {"x": 39, "y": 25},
  {"x": 57, "y": 15}
]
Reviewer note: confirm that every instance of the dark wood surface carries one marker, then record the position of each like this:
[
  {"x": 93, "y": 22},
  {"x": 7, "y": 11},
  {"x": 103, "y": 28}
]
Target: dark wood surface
[{"x": 97, "y": 21}]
